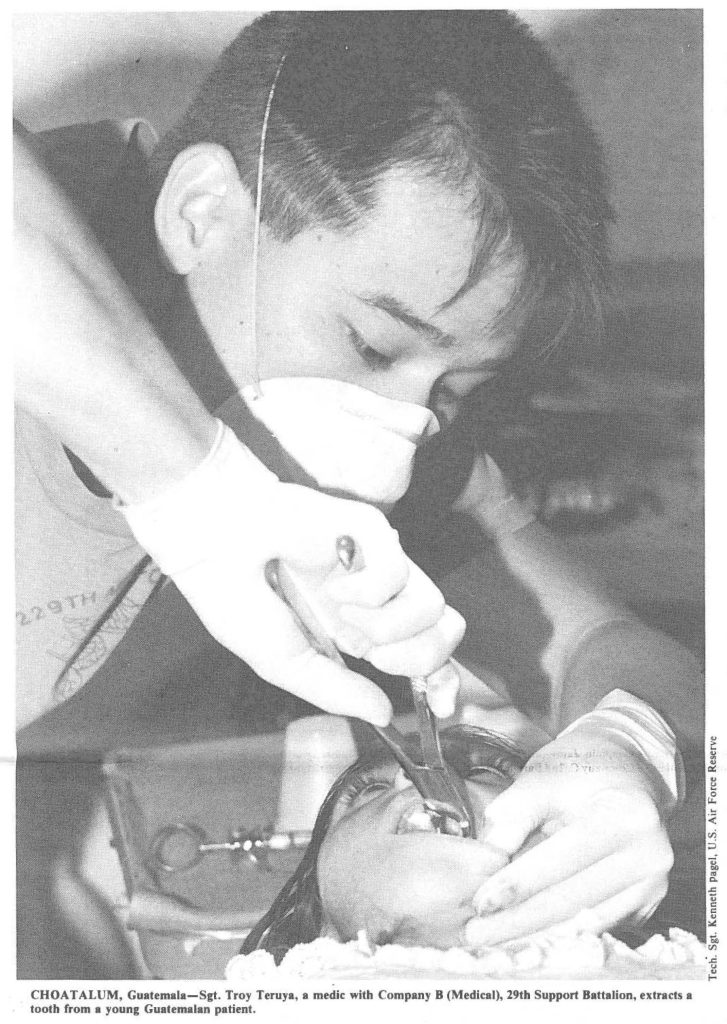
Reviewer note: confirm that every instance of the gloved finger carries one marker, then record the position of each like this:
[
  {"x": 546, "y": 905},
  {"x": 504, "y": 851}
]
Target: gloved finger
[
  {"x": 556, "y": 858},
  {"x": 417, "y": 607},
  {"x": 310, "y": 527},
  {"x": 263, "y": 631},
  {"x": 334, "y": 688},
  {"x": 597, "y": 883},
  {"x": 635, "y": 904},
  {"x": 423, "y": 654},
  {"x": 380, "y": 580},
  {"x": 442, "y": 690},
  {"x": 514, "y": 815},
  {"x": 571, "y": 849},
  {"x": 283, "y": 657},
  {"x": 255, "y": 625}
]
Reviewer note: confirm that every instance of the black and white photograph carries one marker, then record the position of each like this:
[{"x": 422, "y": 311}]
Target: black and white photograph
[{"x": 359, "y": 512}]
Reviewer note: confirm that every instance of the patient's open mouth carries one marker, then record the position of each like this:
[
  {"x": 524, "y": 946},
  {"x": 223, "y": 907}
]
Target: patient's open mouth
[{"x": 415, "y": 819}]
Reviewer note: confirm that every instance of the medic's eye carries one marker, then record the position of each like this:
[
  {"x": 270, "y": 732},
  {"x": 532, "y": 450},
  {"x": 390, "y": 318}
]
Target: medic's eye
[{"x": 374, "y": 359}]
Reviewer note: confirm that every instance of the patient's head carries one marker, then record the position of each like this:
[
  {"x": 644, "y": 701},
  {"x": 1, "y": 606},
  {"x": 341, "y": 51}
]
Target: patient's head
[{"x": 375, "y": 864}]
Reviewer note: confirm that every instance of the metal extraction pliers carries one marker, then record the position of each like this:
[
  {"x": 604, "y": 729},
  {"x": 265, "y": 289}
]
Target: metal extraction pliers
[{"x": 444, "y": 794}]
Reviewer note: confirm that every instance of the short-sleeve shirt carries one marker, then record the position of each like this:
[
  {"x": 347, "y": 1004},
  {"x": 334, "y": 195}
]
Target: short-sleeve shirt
[{"x": 79, "y": 572}]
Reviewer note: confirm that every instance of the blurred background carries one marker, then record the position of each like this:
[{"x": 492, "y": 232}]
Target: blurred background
[{"x": 607, "y": 451}]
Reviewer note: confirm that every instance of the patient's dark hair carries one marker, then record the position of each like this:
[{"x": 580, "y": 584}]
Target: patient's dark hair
[
  {"x": 297, "y": 912},
  {"x": 470, "y": 98}
]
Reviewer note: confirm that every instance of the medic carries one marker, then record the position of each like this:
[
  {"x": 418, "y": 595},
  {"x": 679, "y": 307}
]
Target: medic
[{"x": 231, "y": 344}]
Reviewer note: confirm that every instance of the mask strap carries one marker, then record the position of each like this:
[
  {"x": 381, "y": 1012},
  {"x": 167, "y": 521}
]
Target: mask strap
[{"x": 256, "y": 229}]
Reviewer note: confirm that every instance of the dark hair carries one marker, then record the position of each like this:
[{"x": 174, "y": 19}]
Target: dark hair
[
  {"x": 468, "y": 97},
  {"x": 296, "y": 915}
]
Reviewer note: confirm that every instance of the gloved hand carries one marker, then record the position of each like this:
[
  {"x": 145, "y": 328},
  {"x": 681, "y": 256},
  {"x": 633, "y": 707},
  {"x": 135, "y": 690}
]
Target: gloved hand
[
  {"x": 488, "y": 498},
  {"x": 214, "y": 532},
  {"x": 604, "y": 854}
]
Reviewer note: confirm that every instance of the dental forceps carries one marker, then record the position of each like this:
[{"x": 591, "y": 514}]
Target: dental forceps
[{"x": 444, "y": 794}]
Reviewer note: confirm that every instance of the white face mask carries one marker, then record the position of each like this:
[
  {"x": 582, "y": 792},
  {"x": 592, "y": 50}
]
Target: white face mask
[{"x": 348, "y": 439}]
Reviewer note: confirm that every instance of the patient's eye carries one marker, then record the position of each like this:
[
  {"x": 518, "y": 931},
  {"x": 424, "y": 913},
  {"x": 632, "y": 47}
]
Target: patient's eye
[
  {"x": 374, "y": 787},
  {"x": 365, "y": 784},
  {"x": 502, "y": 768},
  {"x": 483, "y": 774}
]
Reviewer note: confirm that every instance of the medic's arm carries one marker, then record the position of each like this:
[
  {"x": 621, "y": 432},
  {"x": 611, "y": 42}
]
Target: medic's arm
[
  {"x": 88, "y": 363},
  {"x": 591, "y": 643},
  {"x": 600, "y": 791},
  {"x": 90, "y": 367}
]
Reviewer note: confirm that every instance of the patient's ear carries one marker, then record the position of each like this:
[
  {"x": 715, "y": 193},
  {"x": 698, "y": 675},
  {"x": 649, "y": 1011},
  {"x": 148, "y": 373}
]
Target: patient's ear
[{"x": 201, "y": 197}]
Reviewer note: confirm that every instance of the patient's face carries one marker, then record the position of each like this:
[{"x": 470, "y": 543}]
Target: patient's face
[{"x": 377, "y": 872}]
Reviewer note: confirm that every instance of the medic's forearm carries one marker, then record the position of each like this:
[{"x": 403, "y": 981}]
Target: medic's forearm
[
  {"x": 565, "y": 592},
  {"x": 645, "y": 662},
  {"x": 597, "y": 644},
  {"x": 88, "y": 364}
]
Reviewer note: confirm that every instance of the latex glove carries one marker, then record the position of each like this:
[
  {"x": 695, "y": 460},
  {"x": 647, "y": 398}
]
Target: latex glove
[
  {"x": 415, "y": 888},
  {"x": 604, "y": 856},
  {"x": 214, "y": 532},
  {"x": 489, "y": 500}
]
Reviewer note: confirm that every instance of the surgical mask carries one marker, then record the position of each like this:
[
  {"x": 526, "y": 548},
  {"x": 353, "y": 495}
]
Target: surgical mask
[
  {"x": 340, "y": 437},
  {"x": 347, "y": 439}
]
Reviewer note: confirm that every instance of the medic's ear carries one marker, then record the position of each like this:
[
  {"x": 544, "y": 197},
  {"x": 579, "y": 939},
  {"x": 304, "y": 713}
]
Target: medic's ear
[{"x": 200, "y": 191}]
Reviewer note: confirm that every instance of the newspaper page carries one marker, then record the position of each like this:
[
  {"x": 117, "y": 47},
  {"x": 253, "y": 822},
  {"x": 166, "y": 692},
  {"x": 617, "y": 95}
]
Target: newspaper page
[{"x": 445, "y": 268}]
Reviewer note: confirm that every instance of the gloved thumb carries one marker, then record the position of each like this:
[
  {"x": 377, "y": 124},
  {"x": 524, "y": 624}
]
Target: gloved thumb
[
  {"x": 512, "y": 817},
  {"x": 442, "y": 689}
]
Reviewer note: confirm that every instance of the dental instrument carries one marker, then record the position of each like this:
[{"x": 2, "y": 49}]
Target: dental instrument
[{"x": 444, "y": 794}]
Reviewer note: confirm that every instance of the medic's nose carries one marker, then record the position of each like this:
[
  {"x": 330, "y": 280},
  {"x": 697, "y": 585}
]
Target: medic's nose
[{"x": 419, "y": 390}]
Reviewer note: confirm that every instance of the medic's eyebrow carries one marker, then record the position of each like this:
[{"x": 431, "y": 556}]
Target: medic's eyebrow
[{"x": 398, "y": 311}]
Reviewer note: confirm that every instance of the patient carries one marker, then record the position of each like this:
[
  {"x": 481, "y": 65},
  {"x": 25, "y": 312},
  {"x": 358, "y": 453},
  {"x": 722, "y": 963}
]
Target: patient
[{"x": 376, "y": 864}]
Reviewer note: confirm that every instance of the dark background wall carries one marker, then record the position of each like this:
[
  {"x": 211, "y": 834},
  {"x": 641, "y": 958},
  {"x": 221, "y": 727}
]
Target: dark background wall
[{"x": 638, "y": 74}]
